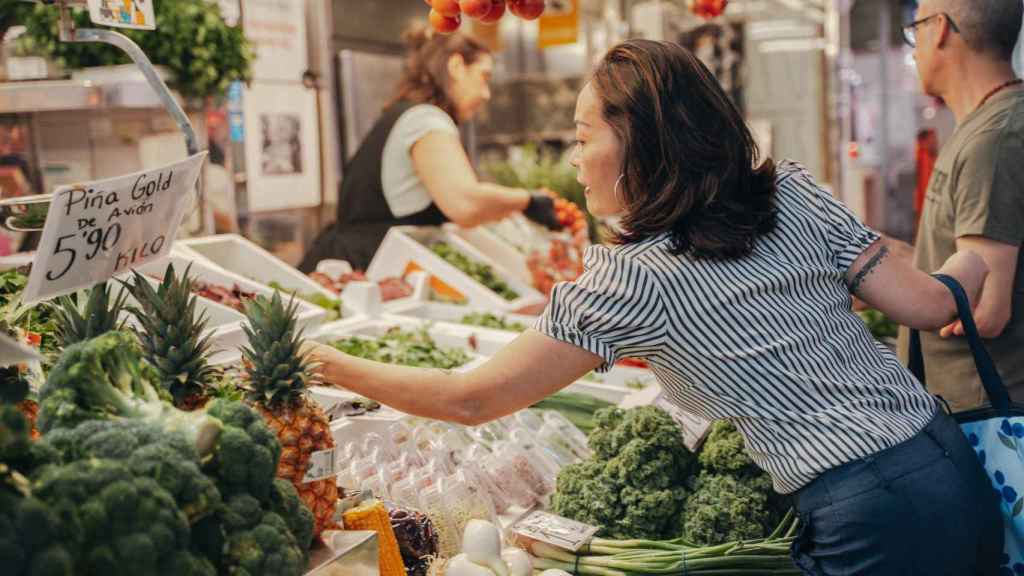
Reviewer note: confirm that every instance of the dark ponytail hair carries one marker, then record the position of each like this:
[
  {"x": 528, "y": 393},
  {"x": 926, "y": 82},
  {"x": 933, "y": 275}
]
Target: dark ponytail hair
[
  {"x": 425, "y": 74},
  {"x": 688, "y": 156}
]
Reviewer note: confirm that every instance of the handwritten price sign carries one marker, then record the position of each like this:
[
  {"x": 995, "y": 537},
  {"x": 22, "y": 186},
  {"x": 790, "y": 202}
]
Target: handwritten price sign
[{"x": 97, "y": 230}]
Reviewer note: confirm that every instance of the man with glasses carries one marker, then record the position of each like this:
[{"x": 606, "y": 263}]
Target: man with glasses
[{"x": 975, "y": 198}]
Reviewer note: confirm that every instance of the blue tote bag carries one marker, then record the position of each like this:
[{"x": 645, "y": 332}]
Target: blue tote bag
[{"x": 996, "y": 432}]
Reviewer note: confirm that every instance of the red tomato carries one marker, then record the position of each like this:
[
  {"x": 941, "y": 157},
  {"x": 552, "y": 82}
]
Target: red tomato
[
  {"x": 475, "y": 8},
  {"x": 497, "y": 11},
  {"x": 527, "y": 9},
  {"x": 444, "y": 24},
  {"x": 449, "y": 8}
]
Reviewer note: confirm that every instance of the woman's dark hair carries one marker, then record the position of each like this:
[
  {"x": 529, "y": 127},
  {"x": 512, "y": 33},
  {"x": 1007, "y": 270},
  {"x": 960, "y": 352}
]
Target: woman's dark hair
[
  {"x": 425, "y": 74},
  {"x": 688, "y": 156}
]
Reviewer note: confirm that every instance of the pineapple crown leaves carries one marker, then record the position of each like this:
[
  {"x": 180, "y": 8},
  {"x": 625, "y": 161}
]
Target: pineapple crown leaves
[
  {"x": 279, "y": 374},
  {"x": 88, "y": 314},
  {"x": 171, "y": 331}
]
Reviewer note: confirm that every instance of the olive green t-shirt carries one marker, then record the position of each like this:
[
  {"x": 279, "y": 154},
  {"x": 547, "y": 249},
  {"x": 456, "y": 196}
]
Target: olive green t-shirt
[{"x": 976, "y": 189}]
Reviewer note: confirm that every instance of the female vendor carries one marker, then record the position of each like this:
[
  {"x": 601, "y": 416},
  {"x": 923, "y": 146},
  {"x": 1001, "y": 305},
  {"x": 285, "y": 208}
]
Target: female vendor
[{"x": 412, "y": 169}]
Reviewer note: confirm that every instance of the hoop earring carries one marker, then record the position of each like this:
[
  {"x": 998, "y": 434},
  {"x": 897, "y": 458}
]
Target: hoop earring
[{"x": 616, "y": 189}]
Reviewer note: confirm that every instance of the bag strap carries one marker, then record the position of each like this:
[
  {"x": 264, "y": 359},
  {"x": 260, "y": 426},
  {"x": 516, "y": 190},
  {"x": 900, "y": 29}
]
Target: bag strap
[{"x": 998, "y": 397}]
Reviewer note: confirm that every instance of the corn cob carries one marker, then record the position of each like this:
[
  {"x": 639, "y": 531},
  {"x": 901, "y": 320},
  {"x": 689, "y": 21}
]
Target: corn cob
[{"x": 372, "y": 515}]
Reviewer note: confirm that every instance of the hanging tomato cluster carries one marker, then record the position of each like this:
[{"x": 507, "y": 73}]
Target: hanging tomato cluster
[
  {"x": 708, "y": 9},
  {"x": 446, "y": 15}
]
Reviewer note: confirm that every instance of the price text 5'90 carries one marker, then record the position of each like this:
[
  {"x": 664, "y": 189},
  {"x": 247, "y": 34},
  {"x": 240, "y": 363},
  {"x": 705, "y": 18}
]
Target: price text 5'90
[{"x": 96, "y": 240}]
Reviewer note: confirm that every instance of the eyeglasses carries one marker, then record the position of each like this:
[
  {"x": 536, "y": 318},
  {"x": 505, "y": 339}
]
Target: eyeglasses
[{"x": 910, "y": 30}]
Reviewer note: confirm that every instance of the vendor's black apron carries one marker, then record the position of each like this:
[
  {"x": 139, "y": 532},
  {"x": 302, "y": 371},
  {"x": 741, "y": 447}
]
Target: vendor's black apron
[{"x": 363, "y": 213}]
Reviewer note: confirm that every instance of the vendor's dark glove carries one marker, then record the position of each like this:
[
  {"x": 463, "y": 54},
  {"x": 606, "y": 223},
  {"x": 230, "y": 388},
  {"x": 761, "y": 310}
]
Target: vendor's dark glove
[{"x": 541, "y": 210}]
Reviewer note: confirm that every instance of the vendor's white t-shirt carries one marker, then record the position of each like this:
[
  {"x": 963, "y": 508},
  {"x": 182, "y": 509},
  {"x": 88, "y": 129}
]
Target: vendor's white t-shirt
[{"x": 403, "y": 190}]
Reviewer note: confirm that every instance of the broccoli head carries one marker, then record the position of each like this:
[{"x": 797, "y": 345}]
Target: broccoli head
[
  {"x": 250, "y": 540},
  {"x": 99, "y": 378},
  {"x": 246, "y": 455},
  {"x": 30, "y": 537},
  {"x": 115, "y": 521},
  {"x": 286, "y": 503},
  {"x": 634, "y": 485},
  {"x": 262, "y": 527},
  {"x": 268, "y": 548},
  {"x": 724, "y": 508},
  {"x": 149, "y": 450},
  {"x": 106, "y": 378}
]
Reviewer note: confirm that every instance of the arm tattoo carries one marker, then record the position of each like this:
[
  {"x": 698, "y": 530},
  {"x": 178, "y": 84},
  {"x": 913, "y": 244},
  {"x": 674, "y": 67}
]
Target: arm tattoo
[{"x": 868, "y": 269}]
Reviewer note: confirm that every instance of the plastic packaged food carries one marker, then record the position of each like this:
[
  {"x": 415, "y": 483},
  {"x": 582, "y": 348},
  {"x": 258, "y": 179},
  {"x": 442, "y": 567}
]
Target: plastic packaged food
[
  {"x": 417, "y": 538},
  {"x": 522, "y": 465},
  {"x": 539, "y": 455},
  {"x": 476, "y": 474},
  {"x": 406, "y": 493},
  {"x": 572, "y": 433},
  {"x": 436, "y": 506},
  {"x": 508, "y": 482},
  {"x": 566, "y": 447}
]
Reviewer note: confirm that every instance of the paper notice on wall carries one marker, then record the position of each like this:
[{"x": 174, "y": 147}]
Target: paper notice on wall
[
  {"x": 277, "y": 31},
  {"x": 137, "y": 14}
]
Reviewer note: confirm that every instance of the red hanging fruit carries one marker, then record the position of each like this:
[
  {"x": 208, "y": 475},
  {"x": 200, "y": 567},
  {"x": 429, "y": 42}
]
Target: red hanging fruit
[
  {"x": 708, "y": 9},
  {"x": 476, "y": 9},
  {"x": 449, "y": 8},
  {"x": 496, "y": 12},
  {"x": 526, "y": 9},
  {"x": 444, "y": 24}
]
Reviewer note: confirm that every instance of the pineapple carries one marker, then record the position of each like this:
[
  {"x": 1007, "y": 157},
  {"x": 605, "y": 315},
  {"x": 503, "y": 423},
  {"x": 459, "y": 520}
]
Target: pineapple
[
  {"x": 171, "y": 336},
  {"x": 88, "y": 314},
  {"x": 278, "y": 377}
]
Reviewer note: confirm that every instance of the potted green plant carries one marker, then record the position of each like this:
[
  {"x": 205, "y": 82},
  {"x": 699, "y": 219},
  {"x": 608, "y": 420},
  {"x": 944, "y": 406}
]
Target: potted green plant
[{"x": 202, "y": 53}]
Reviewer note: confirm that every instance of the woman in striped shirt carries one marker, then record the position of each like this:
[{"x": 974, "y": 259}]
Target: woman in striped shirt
[{"x": 734, "y": 280}]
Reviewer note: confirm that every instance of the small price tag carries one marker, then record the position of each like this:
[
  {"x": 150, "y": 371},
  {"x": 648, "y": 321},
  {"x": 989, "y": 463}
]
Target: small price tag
[
  {"x": 97, "y": 230},
  {"x": 695, "y": 428},
  {"x": 320, "y": 466},
  {"x": 555, "y": 530},
  {"x": 137, "y": 14},
  {"x": 14, "y": 352}
]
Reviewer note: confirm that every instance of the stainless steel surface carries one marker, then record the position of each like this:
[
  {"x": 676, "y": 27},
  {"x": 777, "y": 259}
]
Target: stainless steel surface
[
  {"x": 44, "y": 96},
  {"x": 367, "y": 83},
  {"x": 70, "y": 95},
  {"x": 348, "y": 553}
]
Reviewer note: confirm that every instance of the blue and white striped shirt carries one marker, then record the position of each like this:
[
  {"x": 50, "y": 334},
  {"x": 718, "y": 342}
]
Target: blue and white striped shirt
[{"x": 767, "y": 341}]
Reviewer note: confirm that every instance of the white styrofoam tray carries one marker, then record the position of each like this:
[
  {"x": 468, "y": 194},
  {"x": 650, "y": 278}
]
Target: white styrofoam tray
[
  {"x": 375, "y": 327},
  {"x": 352, "y": 427},
  {"x": 230, "y": 337},
  {"x": 404, "y": 245},
  {"x": 612, "y": 387},
  {"x": 244, "y": 257},
  {"x": 497, "y": 249},
  {"x": 444, "y": 312}
]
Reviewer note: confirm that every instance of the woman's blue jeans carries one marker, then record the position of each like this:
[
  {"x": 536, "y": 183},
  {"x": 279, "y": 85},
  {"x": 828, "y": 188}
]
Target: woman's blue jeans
[{"x": 923, "y": 507}]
